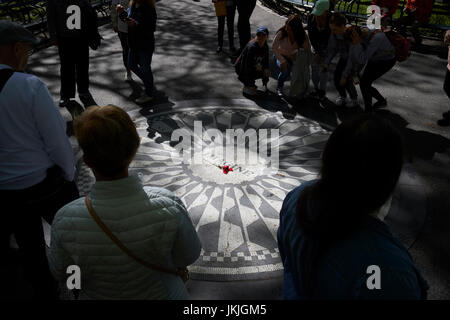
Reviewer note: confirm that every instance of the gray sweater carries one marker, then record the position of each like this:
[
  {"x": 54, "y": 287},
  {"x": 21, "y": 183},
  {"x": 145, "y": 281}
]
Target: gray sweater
[{"x": 372, "y": 48}]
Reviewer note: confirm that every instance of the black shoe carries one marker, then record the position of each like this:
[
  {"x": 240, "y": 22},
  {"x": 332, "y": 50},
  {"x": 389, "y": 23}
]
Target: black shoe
[
  {"x": 380, "y": 104},
  {"x": 87, "y": 99},
  {"x": 444, "y": 122},
  {"x": 63, "y": 103},
  {"x": 219, "y": 49}
]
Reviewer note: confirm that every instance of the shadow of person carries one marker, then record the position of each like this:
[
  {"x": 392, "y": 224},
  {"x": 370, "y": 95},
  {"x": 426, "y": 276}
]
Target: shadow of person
[
  {"x": 160, "y": 130},
  {"x": 417, "y": 143},
  {"x": 136, "y": 90},
  {"x": 159, "y": 102},
  {"x": 323, "y": 112},
  {"x": 269, "y": 101}
]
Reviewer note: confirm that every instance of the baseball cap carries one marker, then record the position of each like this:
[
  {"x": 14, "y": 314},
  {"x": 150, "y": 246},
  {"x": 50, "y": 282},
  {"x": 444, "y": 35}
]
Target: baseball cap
[
  {"x": 11, "y": 32},
  {"x": 320, "y": 7},
  {"x": 263, "y": 30}
]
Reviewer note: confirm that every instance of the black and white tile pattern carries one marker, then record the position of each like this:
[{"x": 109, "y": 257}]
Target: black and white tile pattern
[{"x": 236, "y": 215}]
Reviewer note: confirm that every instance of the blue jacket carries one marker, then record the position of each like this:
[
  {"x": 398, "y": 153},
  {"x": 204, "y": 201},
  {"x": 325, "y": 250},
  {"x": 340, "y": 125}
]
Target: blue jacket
[{"x": 342, "y": 271}]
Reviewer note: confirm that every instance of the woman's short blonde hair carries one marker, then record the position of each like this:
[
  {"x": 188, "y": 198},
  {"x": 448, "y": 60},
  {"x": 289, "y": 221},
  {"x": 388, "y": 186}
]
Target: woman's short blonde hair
[{"x": 108, "y": 138}]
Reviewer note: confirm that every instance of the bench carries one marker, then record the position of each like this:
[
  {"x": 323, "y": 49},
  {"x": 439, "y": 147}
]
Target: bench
[
  {"x": 439, "y": 22},
  {"x": 355, "y": 11},
  {"x": 288, "y": 7},
  {"x": 32, "y": 14}
]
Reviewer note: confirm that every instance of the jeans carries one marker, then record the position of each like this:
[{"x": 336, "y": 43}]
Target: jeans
[
  {"x": 319, "y": 78},
  {"x": 349, "y": 86},
  {"x": 22, "y": 212},
  {"x": 284, "y": 75},
  {"x": 74, "y": 57},
  {"x": 245, "y": 9},
  {"x": 139, "y": 61},
  {"x": 123, "y": 36},
  {"x": 373, "y": 71},
  {"x": 231, "y": 11}
]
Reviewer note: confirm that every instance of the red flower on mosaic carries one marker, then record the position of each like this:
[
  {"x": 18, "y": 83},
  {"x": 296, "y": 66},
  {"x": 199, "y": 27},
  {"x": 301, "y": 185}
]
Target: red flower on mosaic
[{"x": 226, "y": 169}]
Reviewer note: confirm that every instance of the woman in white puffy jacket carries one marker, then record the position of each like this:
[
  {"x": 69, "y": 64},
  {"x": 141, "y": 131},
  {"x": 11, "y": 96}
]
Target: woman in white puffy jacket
[{"x": 152, "y": 223}]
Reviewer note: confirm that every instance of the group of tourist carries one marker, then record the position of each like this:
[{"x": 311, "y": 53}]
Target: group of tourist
[
  {"x": 134, "y": 242},
  {"x": 365, "y": 55}
]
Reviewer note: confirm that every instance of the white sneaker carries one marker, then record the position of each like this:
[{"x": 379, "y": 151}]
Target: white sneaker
[
  {"x": 353, "y": 103},
  {"x": 128, "y": 76},
  {"x": 340, "y": 101},
  {"x": 143, "y": 99}
]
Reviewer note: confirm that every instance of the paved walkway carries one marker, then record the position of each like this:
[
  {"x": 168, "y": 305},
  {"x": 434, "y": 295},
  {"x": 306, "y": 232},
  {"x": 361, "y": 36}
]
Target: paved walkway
[{"x": 186, "y": 67}]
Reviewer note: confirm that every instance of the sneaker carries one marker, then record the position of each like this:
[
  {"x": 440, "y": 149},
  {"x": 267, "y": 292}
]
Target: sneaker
[
  {"x": 340, "y": 101},
  {"x": 143, "y": 99},
  {"x": 380, "y": 104},
  {"x": 87, "y": 99},
  {"x": 251, "y": 91},
  {"x": 128, "y": 76},
  {"x": 353, "y": 103}
]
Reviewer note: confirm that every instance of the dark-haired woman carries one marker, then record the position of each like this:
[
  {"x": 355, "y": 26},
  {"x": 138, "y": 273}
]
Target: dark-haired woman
[
  {"x": 286, "y": 45},
  {"x": 332, "y": 238},
  {"x": 141, "y": 19}
]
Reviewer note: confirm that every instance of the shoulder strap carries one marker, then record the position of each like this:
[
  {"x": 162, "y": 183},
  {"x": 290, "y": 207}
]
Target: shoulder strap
[
  {"x": 120, "y": 245},
  {"x": 5, "y": 74}
]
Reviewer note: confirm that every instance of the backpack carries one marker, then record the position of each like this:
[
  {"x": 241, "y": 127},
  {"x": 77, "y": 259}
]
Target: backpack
[{"x": 401, "y": 44}]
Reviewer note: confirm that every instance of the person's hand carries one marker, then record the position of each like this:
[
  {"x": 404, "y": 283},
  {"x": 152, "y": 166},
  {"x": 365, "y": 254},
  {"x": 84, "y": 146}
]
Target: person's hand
[
  {"x": 259, "y": 67},
  {"x": 284, "y": 66},
  {"x": 131, "y": 22},
  {"x": 116, "y": 30},
  {"x": 342, "y": 82},
  {"x": 119, "y": 8}
]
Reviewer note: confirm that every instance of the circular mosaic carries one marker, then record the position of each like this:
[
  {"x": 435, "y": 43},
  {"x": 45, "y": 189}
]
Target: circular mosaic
[
  {"x": 234, "y": 202},
  {"x": 236, "y": 214}
]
